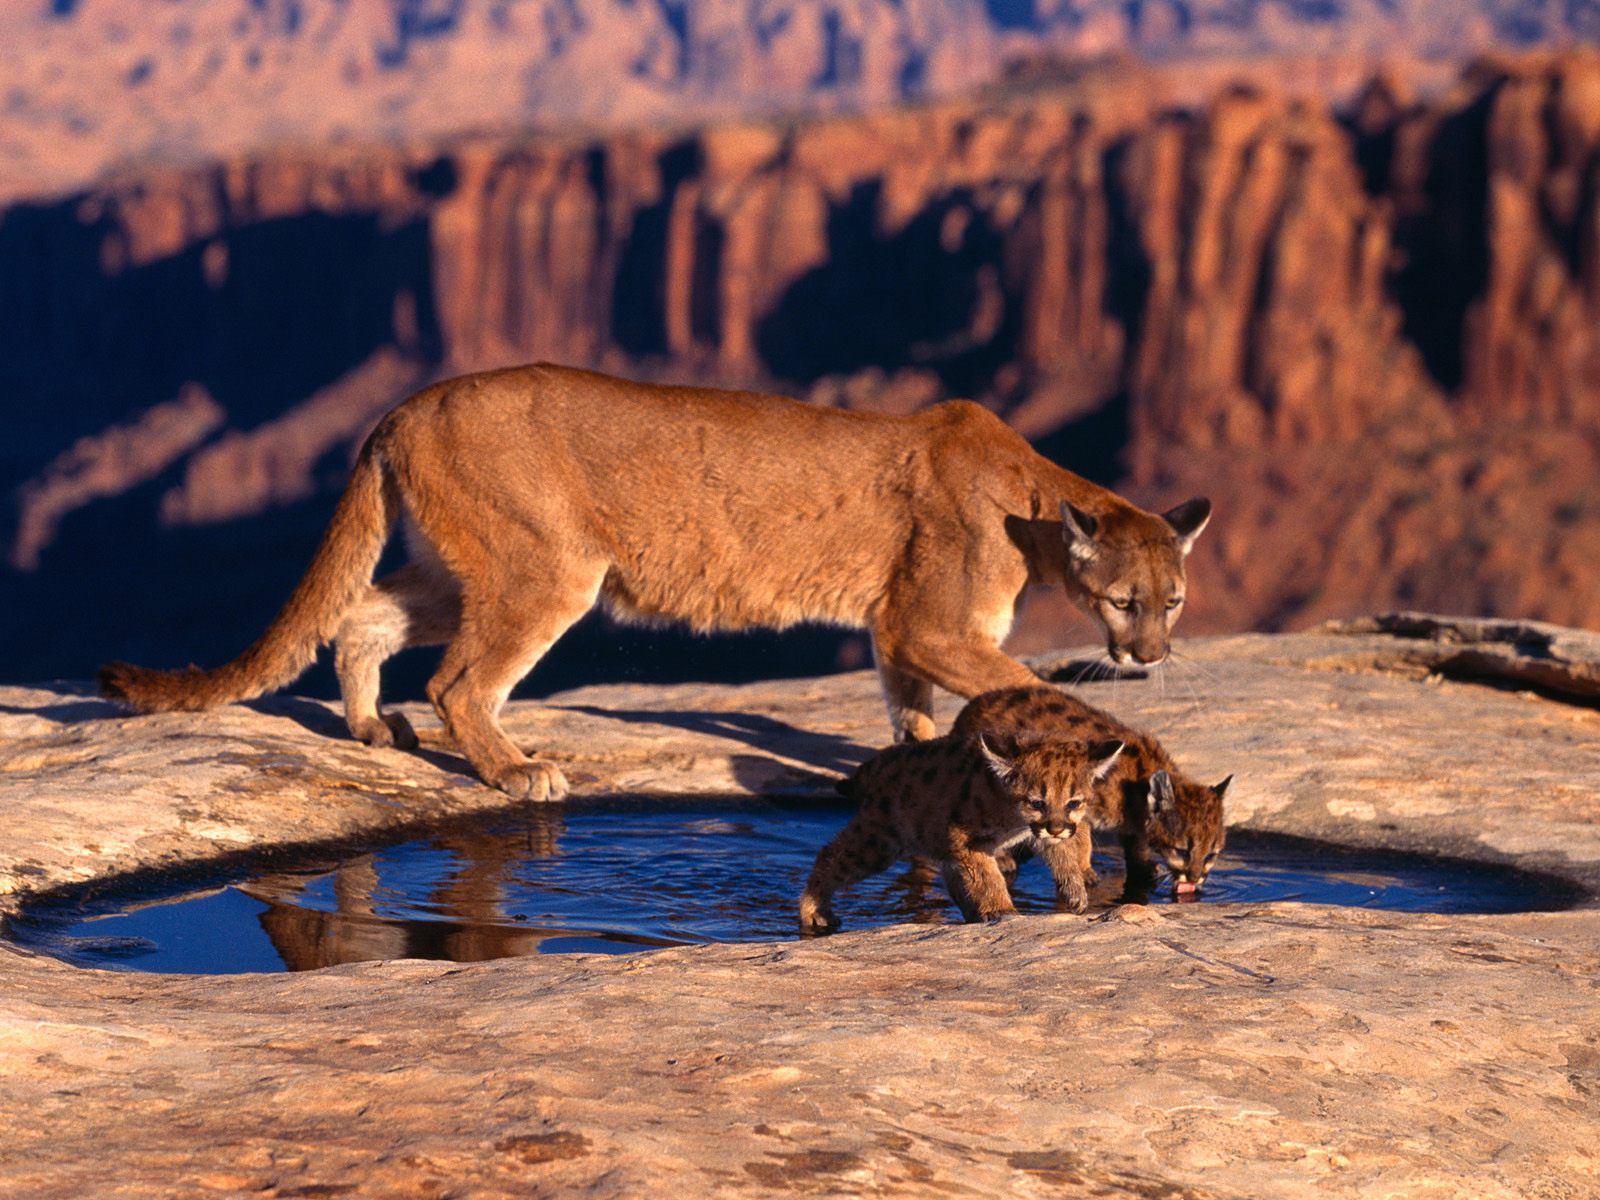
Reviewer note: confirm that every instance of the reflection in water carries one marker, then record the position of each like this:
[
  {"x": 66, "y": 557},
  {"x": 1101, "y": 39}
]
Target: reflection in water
[
  {"x": 619, "y": 876},
  {"x": 467, "y": 905}
]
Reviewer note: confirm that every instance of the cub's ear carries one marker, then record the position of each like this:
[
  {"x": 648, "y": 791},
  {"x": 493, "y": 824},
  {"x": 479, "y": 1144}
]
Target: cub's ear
[
  {"x": 1103, "y": 756},
  {"x": 1187, "y": 520},
  {"x": 1078, "y": 529},
  {"x": 1162, "y": 797},
  {"x": 1221, "y": 789},
  {"x": 1002, "y": 767}
]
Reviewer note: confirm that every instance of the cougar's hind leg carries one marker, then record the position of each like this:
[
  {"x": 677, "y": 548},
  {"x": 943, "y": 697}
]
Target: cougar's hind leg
[
  {"x": 418, "y": 605},
  {"x": 910, "y": 702},
  {"x": 374, "y": 630},
  {"x": 514, "y": 606}
]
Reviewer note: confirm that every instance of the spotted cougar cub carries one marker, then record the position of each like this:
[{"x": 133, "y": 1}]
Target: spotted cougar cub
[
  {"x": 954, "y": 800},
  {"x": 1159, "y": 812}
]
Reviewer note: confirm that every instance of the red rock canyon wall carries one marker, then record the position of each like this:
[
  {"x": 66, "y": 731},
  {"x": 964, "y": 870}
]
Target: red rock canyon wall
[{"x": 1373, "y": 337}]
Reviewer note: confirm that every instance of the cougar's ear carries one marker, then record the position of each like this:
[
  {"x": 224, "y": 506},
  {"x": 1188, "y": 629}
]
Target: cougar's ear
[
  {"x": 1103, "y": 756},
  {"x": 1002, "y": 767},
  {"x": 1078, "y": 529},
  {"x": 1162, "y": 796},
  {"x": 1187, "y": 520},
  {"x": 1221, "y": 789}
]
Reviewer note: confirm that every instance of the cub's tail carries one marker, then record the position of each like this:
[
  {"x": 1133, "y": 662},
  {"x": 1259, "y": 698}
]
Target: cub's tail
[{"x": 341, "y": 569}]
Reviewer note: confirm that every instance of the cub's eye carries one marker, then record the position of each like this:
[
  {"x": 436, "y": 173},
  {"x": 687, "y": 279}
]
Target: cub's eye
[
  {"x": 1174, "y": 602},
  {"x": 1036, "y": 804},
  {"x": 1212, "y": 857},
  {"x": 1121, "y": 603}
]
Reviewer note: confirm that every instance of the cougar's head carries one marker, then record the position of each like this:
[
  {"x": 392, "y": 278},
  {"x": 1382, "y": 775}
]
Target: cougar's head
[
  {"x": 1125, "y": 569},
  {"x": 1050, "y": 782},
  {"x": 1186, "y": 828}
]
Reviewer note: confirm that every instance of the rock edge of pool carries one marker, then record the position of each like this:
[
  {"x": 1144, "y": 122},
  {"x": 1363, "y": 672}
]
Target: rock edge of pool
[{"x": 1207, "y": 1050}]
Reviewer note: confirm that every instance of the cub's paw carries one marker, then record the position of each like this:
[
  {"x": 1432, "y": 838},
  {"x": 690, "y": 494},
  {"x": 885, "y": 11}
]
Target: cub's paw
[
  {"x": 1073, "y": 899},
  {"x": 816, "y": 919},
  {"x": 386, "y": 729},
  {"x": 1090, "y": 877},
  {"x": 535, "y": 781},
  {"x": 998, "y": 915}
]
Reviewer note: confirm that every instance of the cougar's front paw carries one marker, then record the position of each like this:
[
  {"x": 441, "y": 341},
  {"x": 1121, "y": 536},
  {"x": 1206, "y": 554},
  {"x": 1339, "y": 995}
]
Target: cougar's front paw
[
  {"x": 384, "y": 730},
  {"x": 997, "y": 915},
  {"x": 537, "y": 782},
  {"x": 1073, "y": 899},
  {"x": 816, "y": 919}
]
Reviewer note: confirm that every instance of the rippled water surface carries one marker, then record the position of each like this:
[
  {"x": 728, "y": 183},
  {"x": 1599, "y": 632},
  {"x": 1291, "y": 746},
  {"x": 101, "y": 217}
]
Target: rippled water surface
[{"x": 617, "y": 876}]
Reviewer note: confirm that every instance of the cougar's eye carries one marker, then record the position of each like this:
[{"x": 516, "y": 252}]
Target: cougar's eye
[
  {"x": 1120, "y": 603},
  {"x": 1174, "y": 602}
]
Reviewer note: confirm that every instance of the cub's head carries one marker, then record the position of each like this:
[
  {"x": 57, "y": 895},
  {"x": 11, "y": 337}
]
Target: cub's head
[
  {"x": 1185, "y": 827},
  {"x": 1125, "y": 569},
  {"x": 1050, "y": 781}
]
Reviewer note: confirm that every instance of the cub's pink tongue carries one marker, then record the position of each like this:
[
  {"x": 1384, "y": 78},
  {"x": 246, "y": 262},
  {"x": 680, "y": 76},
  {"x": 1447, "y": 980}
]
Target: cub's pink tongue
[{"x": 1186, "y": 889}]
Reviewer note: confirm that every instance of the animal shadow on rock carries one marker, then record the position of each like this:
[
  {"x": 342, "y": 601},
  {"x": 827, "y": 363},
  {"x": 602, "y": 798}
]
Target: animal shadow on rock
[
  {"x": 1077, "y": 671},
  {"x": 324, "y": 722},
  {"x": 824, "y": 751},
  {"x": 70, "y": 712}
]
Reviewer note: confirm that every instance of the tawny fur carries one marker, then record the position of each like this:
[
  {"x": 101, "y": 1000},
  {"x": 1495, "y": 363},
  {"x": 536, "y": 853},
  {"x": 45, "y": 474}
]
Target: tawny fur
[
  {"x": 536, "y": 492},
  {"x": 954, "y": 801},
  {"x": 338, "y": 576},
  {"x": 1159, "y": 813}
]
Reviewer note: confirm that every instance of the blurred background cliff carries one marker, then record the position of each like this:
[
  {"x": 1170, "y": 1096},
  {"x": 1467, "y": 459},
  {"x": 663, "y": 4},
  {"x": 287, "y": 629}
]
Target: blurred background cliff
[{"x": 1334, "y": 263}]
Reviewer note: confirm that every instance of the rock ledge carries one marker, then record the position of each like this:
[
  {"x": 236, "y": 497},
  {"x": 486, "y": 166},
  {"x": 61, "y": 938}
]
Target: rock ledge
[{"x": 1208, "y": 1051}]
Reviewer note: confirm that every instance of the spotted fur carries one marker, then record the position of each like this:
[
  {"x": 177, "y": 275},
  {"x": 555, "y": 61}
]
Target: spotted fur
[
  {"x": 954, "y": 800},
  {"x": 1160, "y": 813}
]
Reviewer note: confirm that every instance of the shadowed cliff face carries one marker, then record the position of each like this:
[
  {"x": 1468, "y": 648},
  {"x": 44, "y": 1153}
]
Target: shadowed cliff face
[
  {"x": 261, "y": 283},
  {"x": 1372, "y": 337}
]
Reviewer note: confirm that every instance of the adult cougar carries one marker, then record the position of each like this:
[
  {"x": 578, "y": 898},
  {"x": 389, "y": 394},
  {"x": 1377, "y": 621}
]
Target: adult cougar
[{"x": 531, "y": 493}]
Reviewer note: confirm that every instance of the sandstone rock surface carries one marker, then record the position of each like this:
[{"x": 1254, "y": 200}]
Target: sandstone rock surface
[{"x": 1201, "y": 1051}]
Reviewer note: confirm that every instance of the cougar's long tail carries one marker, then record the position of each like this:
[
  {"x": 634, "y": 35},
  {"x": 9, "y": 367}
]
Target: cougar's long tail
[{"x": 342, "y": 568}]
